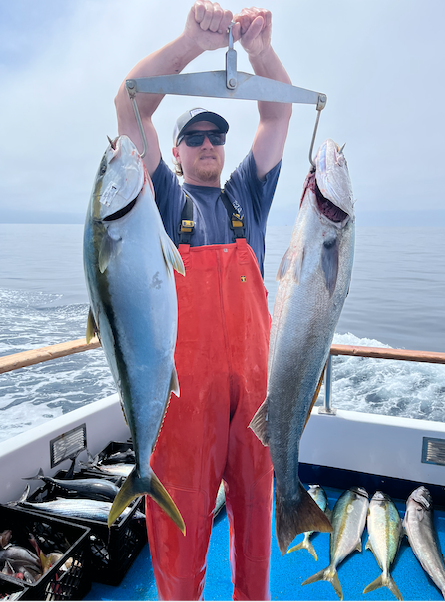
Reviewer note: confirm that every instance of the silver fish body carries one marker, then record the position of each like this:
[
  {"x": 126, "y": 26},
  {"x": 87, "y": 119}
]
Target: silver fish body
[
  {"x": 348, "y": 522},
  {"x": 385, "y": 532},
  {"x": 422, "y": 536},
  {"x": 318, "y": 494},
  {"x": 129, "y": 261},
  {"x": 314, "y": 279},
  {"x": 79, "y": 508}
]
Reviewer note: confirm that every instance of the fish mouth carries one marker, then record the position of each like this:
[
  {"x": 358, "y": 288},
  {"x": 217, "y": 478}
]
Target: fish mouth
[{"x": 327, "y": 207}]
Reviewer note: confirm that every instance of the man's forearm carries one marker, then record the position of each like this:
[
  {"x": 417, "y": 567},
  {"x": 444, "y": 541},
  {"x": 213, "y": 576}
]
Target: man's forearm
[
  {"x": 267, "y": 64},
  {"x": 172, "y": 58}
]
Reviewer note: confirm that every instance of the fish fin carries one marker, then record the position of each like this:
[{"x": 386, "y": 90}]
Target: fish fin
[
  {"x": 381, "y": 581},
  {"x": 328, "y": 574},
  {"x": 171, "y": 254},
  {"x": 109, "y": 248},
  {"x": 135, "y": 486},
  {"x": 298, "y": 517},
  {"x": 358, "y": 547},
  {"x": 284, "y": 265},
  {"x": 304, "y": 545},
  {"x": 39, "y": 475},
  {"x": 369, "y": 546},
  {"x": 92, "y": 329},
  {"x": 174, "y": 383},
  {"x": 259, "y": 423},
  {"x": 329, "y": 264}
]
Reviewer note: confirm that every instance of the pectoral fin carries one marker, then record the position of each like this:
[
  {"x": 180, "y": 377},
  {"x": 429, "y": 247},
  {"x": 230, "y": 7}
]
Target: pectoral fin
[
  {"x": 109, "y": 248},
  {"x": 171, "y": 254},
  {"x": 329, "y": 264}
]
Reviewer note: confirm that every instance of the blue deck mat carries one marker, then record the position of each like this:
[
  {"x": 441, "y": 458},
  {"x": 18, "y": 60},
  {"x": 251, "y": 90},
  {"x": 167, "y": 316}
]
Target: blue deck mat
[{"x": 289, "y": 571}]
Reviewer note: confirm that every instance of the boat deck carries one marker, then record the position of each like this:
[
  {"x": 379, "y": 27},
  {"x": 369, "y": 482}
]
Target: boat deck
[{"x": 289, "y": 571}]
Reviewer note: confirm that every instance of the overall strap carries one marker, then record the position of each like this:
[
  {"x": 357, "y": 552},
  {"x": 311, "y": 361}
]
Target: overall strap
[
  {"x": 187, "y": 225},
  {"x": 236, "y": 220}
]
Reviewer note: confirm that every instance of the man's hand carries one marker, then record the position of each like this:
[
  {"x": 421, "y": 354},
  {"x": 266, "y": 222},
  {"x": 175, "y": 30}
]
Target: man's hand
[
  {"x": 207, "y": 24},
  {"x": 256, "y": 29}
]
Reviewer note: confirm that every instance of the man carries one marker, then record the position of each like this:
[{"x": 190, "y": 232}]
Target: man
[{"x": 223, "y": 325}]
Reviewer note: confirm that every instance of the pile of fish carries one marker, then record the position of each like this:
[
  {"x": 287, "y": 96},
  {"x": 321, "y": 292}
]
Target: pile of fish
[
  {"x": 129, "y": 265},
  {"x": 353, "y": 511},
  {"x": 26, "y": 564},
  {"x": 314, "y": 278},
  {"x": 82, "y": 496}
]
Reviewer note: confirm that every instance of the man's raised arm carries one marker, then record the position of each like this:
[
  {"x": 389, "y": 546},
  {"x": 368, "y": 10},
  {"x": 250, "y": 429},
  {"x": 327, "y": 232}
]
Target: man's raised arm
[
  {"x": 205, "y": 29},
  {"x": 268, "y": 145}
]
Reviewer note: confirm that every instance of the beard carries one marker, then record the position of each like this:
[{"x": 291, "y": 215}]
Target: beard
[{"x": 208, "y": 172}]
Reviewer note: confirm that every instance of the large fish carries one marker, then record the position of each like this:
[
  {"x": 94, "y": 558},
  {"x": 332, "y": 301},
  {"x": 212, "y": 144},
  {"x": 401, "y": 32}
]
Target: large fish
[
  {"x": 422, "y": 536},
  {"x": 348, "y": 521},
  {"x": 385, "y": 532},
  {"x": 314, "y": 280},
  {"x": 129, "y": 261}
]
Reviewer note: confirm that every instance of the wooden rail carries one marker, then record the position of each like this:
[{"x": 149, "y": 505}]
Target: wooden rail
[{"x": 43, "y": 354}]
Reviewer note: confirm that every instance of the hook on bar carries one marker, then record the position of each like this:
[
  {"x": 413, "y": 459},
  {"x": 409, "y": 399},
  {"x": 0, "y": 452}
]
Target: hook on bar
[
  {"x": 321, "y": 103},
  {"x": 131, "y": 89}
]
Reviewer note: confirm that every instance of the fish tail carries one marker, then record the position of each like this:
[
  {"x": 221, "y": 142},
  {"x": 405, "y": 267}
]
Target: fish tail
[
  {"x": 298, "y": 517},
  {"x": 305, "y": 545},
  {"x": 384, "y": 581},
  {"x": 328, "y": 574},
  {"x": 135, "y": 486}
]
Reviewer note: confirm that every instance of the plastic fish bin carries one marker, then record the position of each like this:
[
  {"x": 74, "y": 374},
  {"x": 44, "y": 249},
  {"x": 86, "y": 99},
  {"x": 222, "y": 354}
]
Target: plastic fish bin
[
  {"x": 112, "y": 550},
  {"x": 69, "y": 578}
]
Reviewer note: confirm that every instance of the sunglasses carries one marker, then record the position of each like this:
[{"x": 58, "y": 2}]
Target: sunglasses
[{"x": 197, "y": 138}]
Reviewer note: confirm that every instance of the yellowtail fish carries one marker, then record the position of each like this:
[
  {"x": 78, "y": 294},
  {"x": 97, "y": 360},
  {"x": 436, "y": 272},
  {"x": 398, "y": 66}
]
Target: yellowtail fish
[
  {"x": 385, "y": 533},
  {"x": 348, "y": 522},
  {"x": 129, "y": 261},
  {"x": 317, "y": 493}
]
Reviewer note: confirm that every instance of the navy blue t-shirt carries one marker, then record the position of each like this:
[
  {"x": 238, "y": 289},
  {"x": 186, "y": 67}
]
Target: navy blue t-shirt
[{"x": 212, "y": 225}]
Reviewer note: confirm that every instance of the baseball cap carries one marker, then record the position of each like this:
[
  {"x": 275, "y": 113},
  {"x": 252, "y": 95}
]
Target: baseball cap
[{"x": 195, "y": 115}]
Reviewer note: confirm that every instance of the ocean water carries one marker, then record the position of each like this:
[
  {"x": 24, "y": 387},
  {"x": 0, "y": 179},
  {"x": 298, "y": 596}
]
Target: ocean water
[{"x": 396, "y": 299}]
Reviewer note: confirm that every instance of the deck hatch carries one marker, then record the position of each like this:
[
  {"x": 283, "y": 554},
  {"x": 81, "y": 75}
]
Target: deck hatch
[
  {"x": 433, "y": 451},
  {"x": 68, "y": 445}
]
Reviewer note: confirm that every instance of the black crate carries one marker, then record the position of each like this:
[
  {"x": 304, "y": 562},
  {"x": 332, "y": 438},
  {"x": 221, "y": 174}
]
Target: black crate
[
  {"x": 112, "y": 550},
  {"x": 104, "y": 455},
  {"x": 53, "y": 535}
]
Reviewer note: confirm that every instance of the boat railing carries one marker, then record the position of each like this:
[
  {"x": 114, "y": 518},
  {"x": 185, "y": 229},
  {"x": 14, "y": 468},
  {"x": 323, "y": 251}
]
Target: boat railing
[{"x": 43, "y": 354}]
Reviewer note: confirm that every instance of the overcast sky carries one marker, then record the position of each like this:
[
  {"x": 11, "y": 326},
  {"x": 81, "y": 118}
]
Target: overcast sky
[{"x": 380, "y": 63}]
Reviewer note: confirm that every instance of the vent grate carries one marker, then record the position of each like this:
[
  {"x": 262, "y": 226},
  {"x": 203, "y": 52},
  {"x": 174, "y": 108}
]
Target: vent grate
[
  {"x": 68, "y": 445},
  {"x": 433, "y": 451}
]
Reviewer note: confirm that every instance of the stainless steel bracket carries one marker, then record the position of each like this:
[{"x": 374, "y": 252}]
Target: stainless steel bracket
[{"x": 224, "y": 84}]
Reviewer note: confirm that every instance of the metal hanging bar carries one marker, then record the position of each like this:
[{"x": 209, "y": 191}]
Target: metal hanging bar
[
  {"x": 327, "y": 407},
  {"x": 224, "y": 84}
]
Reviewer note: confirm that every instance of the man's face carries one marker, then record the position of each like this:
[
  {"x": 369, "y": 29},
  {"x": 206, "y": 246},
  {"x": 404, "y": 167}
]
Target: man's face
[{"x": 201, "y": 165}]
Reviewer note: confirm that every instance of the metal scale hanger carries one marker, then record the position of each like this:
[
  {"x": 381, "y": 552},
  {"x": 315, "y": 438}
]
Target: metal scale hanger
[{"x": 224, "y": 84}]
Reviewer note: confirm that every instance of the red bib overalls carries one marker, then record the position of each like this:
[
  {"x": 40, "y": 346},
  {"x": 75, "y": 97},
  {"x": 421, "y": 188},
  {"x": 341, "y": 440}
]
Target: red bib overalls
[{"x": 221, "y": 359}]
